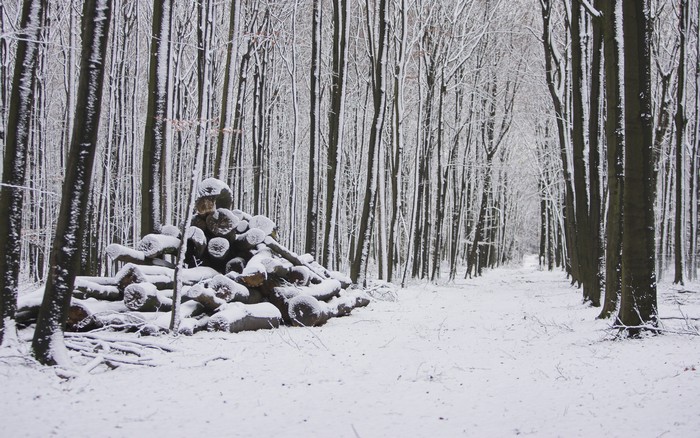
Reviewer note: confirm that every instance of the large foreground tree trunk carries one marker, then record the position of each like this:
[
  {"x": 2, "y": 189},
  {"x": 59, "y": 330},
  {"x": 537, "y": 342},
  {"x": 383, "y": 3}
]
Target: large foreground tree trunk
[
  {"x": 14, "y": 163},
  {"x": 638, "y": 308},
  {"x": 47, "y": 344}
]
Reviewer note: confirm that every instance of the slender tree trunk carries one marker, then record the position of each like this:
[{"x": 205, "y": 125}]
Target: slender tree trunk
[
  {"x": 556, "y": 82},
  {"x": 341, "y": 26},
  {"x": 47, "y": 344},
  {"x": 156, "y": 119},
  {"x": 378, "y": 61},
  {"x": 694, "y": 177},
  {"x": 614, "y": 134},
  {"x": 314, "y": 129},
  {"x": 224, "y": 137},
  {"x": 14, "y": 162},
  {"x": 680, "y": 121},
  {"x": 638, "y": 307}
]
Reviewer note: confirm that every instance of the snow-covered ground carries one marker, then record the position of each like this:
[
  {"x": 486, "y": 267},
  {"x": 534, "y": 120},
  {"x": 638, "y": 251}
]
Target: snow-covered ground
[{"x": 511, "y": 353}]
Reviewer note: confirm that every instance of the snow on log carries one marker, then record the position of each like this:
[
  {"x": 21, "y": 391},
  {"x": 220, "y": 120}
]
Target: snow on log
[
  {"x": 222, "y": 222},
  {"x": 250, "y": 239},
  {"x": 307, "y": 311},
  {"x": 147, "y": 323},
  {"x": 194, "y": 275},
  {"x": 120, "y": 253},
  {"x": 196, "y": 241},
  {"x": 145, "y": 297},
  {"x": 155, "y": 245},
  {"x": 242, "y": 226},
  {"x": 228, "y": 289},
  {"x": 85, "y": 288},
  {"x": 264, "y": 223},
  {"x": 159, "y": 276},
  {"x": 218, "y": 248},
  {"x": 299, "y": 275},
  {"x": 277, "y": 267},
  {"x": 293, "y": 258},
  {"x": 347, "y": 301},
  {"x": 241, "y": 215},
  {"x": 255, "y": 273},
  {"x": 323, "y": 291},
  {"x": 344, "y": 280},
  {"x": 171, "y": 230},
  {"x": 237, "y": 317},
  {"x": 190, "y": 326},
  {"x": 205, "y": 296},
  {"x": 28, "y": 306},
  {"x": 81, "y": 312},
  {"x": 212, "y": 194}
]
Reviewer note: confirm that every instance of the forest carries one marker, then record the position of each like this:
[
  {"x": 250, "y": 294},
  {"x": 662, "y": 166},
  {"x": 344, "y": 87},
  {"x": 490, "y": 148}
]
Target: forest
[
  {"x": 365, "y": 218},
  {"x": 298, "y": 153}
]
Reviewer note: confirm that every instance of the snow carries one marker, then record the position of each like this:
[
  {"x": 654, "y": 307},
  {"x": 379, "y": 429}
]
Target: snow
[{"x": 513, "y": 352}]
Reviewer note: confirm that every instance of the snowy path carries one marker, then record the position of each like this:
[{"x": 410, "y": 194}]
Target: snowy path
[{"x": 511, "y": 353}]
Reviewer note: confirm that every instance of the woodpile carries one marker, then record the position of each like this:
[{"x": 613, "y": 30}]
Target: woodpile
[{"x": 237, "y": 277}]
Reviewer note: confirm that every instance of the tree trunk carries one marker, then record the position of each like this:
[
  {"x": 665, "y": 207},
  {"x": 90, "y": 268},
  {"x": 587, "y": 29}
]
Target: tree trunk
[
  {"x": 578, "y": 141},
  {"x": 47, "y": 345},
  {"x": 341, "y": 28},
  {"x": 378, "y": 62},
  {"x": 224, "y": 136},
  {"x": 638, "y": 307},
  {"x": 156, "y": 119},
  {"x": 614, "y": 134},
  {"x": 680, "y": 121},
  {"x": 596, "y": 209},
  {"x": 14, "y": 163},
  {"x": 314, "y": 130}
]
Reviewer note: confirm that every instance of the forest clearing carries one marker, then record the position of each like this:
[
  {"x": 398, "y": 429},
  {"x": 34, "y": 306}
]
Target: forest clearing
[{"x": 514, "y": 352}]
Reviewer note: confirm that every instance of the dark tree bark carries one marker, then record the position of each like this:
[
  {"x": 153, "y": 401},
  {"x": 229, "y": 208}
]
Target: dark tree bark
[
  {"x": 224, "y": 138},
  {"x": 14, "y": 162},
  {"x": 341, "y": 25},
  {"x": 397, "y": 134},
  {"x": 614, "y": 135},
  {"x": 578, "y": 142},
  {"x": 680, "y": 121},
  {"x": 378, "y": 61},
  {"x": 596, "y": 209},
  {"x": 47, "y": 345},
  {"x": 314, "y": 129},
  {"x": 156, "y": 119},
  {"x": 638, "y": 307}
]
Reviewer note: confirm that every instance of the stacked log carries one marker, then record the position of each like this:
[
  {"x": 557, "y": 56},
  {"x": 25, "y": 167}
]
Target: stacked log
[{"x": 237, "y": 277}]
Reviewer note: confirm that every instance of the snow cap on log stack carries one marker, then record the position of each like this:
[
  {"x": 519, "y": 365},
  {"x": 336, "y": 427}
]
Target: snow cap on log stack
[{"x": 212, "y": 194}]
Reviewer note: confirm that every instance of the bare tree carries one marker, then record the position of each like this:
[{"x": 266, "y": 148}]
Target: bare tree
[
  {"x": 614, "y": 136},
  {"x": 14, "y": 163},
  {"x": 47, "y": 344},
  {"x": 638, "y": 307},
  {"x": 378, "y": 60},
  {"x": 341, "y": 25},
  {"x": 156, "y": 118},
  {"x": 680, "y": 125}
]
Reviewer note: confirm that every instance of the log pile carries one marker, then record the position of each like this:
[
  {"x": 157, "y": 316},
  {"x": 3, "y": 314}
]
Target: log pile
[{"x": 237, "y": 277}]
